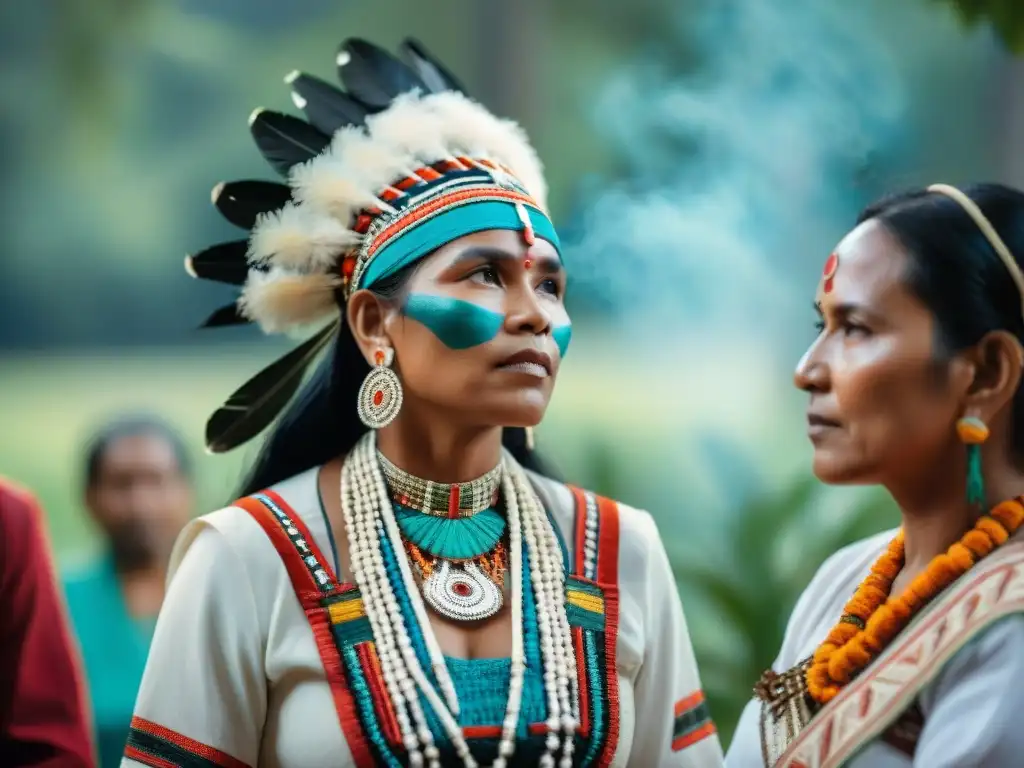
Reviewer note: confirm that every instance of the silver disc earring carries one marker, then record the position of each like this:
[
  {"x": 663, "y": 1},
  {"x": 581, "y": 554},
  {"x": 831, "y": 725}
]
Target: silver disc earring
[{"x": 380, "y": 396}]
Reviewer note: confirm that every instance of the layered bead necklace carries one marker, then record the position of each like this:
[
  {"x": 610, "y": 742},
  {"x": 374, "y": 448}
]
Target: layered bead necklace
[
  {"x": 372, "y": 524},
  {"x": 454, "y": 536}
]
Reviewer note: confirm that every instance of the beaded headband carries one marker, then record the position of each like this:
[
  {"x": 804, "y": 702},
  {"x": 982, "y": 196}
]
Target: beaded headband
[
  {"x": 986, "y": 229},
  {"x": 382, "y": 174}
]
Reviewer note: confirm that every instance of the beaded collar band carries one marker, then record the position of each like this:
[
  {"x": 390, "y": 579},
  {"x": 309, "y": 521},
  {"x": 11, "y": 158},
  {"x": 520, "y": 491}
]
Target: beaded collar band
[{"x": 451, "y": 500}]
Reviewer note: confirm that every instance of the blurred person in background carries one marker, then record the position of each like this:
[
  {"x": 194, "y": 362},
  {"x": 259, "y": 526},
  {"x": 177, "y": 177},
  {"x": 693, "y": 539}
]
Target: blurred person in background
[
  {"x": 907, "y": 648},
  {"x": 44, "y": 714},
  {"x": 402, "y": 583},
  {"x": 138, "y": 493}
]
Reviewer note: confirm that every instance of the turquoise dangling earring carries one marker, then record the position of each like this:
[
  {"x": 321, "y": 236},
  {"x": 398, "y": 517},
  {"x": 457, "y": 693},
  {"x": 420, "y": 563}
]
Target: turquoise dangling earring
[{"x": 973, "y": 432}]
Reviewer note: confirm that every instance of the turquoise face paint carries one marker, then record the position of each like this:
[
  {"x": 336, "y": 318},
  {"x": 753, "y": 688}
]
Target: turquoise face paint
[
  {"x": 458, "y": 324},
  {"x": 562, "y": 336}
]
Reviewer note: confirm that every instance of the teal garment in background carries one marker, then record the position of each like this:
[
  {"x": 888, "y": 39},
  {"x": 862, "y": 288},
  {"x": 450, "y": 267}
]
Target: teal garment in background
[{"x": 114, "y": 650}]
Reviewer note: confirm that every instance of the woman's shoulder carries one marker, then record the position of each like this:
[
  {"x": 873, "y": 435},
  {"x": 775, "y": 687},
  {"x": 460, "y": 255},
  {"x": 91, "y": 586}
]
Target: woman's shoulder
[
  {"x": 235, "y": 528},
  {"x": 633, "y": 528}
]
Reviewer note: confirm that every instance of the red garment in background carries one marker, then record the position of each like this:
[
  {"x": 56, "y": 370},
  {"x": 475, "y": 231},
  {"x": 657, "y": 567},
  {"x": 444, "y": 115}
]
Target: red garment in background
[{"x": 44, "y": 718}]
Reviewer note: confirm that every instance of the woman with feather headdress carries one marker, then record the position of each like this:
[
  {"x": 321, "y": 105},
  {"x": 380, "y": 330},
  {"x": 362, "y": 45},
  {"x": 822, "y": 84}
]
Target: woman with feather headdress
[{"x": 401, "y": 583}]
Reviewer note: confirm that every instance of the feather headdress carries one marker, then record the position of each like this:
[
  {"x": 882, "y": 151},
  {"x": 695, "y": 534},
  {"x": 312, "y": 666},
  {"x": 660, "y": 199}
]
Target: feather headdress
[{"x": 400, "y": 149}]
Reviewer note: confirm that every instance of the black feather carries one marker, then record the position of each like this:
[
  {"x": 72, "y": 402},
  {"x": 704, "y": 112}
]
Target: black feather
[
  {"x": 258, "y": 402},
  {"x": 326, "y": 107},
  {"x": 435, "y": 75},
  {"x": 241, "y": 202},
  {"x": 373, "y": 75},
  {"x": 225, "y": 316},
  {"x": 224, "y": 263},
  {"x": 284, "y": 140}
]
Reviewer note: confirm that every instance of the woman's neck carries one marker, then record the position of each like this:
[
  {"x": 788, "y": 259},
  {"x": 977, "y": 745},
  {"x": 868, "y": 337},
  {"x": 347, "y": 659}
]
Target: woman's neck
[
  {"x": 937, "y": 515},
  {"x": 444, "y": 454}
]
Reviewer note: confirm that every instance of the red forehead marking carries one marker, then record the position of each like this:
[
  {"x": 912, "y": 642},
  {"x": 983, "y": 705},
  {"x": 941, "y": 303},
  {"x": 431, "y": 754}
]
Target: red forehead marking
[{"x": 829, "y": 272}]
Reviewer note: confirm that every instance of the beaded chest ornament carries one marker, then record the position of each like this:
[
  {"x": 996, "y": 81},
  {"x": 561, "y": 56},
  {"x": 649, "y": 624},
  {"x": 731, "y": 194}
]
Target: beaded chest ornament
[{"x": 454, "y": 536}]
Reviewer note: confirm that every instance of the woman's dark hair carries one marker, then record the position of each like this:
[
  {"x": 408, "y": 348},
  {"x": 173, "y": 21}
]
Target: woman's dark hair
[
  {"x": 132, "y": 425},
  {"x": 956, "y": 272},
  {"x": 321, "y": 421}
]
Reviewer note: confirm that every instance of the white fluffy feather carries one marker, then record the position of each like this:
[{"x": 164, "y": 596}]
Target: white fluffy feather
[
  {"x": 297, "y": 238},
  {"x": 324, "y": 184},
  {"x": 471, "y": 128},
  {"x": 280, "y": 300},
  {"x": 412, "y": 125}
]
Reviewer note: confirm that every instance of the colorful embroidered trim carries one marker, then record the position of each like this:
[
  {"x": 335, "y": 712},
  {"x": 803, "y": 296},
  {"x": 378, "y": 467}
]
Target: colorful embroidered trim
[
  {"x": 159, "y": 747},
  {"x": 592, "y": 606},
  {"x": 345, "y": 638},
  {"x": 461, "y": 200},
  {"x": 692, "y": 721},
  {"x": 304, "y": 563}
]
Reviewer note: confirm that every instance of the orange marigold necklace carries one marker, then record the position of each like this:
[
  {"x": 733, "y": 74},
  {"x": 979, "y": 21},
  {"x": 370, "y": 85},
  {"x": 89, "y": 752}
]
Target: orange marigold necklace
[{"x": 871, "y": 619}]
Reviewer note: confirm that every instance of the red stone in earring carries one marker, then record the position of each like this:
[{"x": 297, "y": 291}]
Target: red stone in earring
[{"x": 829, "y": 272}]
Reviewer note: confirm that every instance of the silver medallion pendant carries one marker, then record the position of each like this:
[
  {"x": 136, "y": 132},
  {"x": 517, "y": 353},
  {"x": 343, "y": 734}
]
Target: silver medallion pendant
[{"x": 462, "y": 592}]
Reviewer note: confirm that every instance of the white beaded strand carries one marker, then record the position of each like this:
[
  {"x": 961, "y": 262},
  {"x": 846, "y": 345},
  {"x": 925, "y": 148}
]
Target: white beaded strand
[
  {"x": 411, "y": 674},
  {"x": 380, "y": 489},
  {"x": 364, "y": 574},
  {"x": 548, "y": 651},
  {"x": 507, "y": 744},
  {"x": 552, "y": 581}
]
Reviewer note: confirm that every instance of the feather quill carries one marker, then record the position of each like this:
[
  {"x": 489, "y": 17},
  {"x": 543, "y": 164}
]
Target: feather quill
[
  {"x": 222, "y": 263},
  {"x": 373, "y": 75},
  {"x": 284, "y": 140},
  {"x": 257, "y": 403},
  {"x": 432, "y": 72},
  {"x": 241, "y": 202},
  {"x": 227, "y": 315},
  {"x": 326, "y": 107}
]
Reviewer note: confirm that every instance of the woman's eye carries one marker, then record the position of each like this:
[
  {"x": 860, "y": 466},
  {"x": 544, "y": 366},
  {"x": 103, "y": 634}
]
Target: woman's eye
[
  {"x": 853, "y": 329},
  {"x": 819, "y": 327},
  {"x": 487, "y": 276},
  {"x": 550, "y": 286}
]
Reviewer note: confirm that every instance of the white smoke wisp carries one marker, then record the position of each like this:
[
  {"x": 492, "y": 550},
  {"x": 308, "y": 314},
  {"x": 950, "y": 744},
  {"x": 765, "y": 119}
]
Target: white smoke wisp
[{"x": 743, "y": 174}]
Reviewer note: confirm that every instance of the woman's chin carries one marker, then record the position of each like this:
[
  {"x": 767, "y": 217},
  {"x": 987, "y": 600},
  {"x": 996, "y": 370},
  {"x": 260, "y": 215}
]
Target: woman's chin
[{"x": 834, "y": 470}]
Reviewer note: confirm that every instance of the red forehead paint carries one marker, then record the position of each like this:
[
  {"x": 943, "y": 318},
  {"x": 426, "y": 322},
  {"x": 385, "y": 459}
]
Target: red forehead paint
[{"x": 829, "y": 272}]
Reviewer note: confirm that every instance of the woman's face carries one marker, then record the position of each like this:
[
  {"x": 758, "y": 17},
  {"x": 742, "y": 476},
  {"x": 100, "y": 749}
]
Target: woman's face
[
  {"x": 482, "y": 328},
  {"x": 882, "y": 407}
]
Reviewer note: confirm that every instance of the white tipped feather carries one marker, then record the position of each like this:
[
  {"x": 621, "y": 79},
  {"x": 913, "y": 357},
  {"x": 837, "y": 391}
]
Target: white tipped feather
[
  {"x": 280, "y": 301},
  {"x": 299, "y": 239}
]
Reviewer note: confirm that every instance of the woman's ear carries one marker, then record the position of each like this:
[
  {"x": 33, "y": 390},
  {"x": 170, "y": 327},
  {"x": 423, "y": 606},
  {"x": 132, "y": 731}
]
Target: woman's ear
[
  {"x": 366, "y": 315},
  {"x": 996, "y": 362}
]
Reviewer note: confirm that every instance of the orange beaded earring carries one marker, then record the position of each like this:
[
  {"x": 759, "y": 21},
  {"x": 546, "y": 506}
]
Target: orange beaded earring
[{"x": 973, "y": 432}]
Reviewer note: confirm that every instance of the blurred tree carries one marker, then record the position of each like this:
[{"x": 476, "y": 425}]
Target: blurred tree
[{"x": 1006, "y": 17}]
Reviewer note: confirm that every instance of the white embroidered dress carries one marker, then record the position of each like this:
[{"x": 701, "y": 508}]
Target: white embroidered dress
[
  {"x": 971, "y": 709},
  {"x": 235, "y": 677}
]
